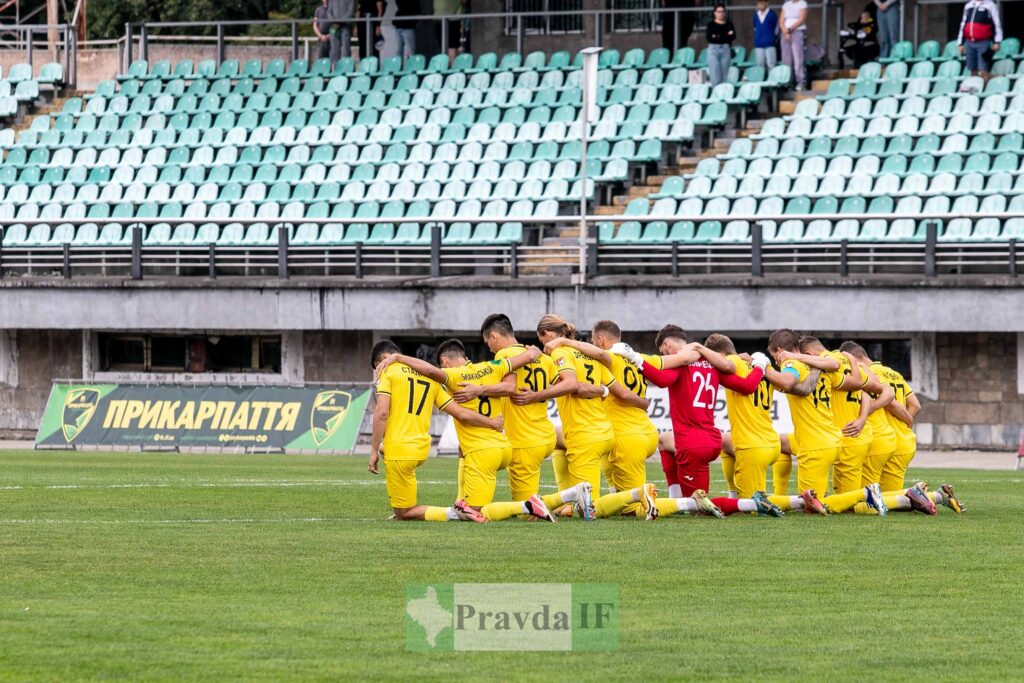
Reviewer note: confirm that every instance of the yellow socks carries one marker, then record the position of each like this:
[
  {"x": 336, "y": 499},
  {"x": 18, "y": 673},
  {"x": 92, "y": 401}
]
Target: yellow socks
[
  {"x": 614, "y": 503},
  {"x": 782, "y": 502},
  {"x": 499, "y": 511},
  {"x": 841, "y": 502},
  {"x": 560, "y": 464},
  {"x": 435, "y": 514},
  {"x": 729, "y": 469},
  {"x": 781, "y": 470}
]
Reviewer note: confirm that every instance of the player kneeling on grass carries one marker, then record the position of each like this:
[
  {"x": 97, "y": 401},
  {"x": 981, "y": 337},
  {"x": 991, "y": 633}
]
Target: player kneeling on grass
[
  {"x": 580, "y": 388},
  {"x": 484, "y": 450},
  {"x": 696, "y": 439}
]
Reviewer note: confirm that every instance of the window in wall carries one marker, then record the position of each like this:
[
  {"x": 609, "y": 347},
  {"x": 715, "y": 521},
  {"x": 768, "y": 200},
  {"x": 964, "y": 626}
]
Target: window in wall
[{"x": 189, "y": 353}]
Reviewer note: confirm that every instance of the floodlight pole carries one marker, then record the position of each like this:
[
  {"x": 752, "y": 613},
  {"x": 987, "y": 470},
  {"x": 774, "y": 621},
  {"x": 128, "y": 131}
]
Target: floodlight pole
[{"x": 587, "y": 112}]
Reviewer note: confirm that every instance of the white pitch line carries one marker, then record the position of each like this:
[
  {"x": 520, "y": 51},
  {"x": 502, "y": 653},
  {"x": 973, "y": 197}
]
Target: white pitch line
[
  {"x": 230, "y": 520},
  {"x": 215, "y": 485}
]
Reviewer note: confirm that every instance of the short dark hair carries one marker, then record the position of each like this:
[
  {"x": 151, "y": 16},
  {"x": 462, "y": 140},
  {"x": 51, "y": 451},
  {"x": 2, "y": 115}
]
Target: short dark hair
[
  {"x": 669, "y": 332},
  {"x": 608, "y": 327},
  {"x": 380, "y": 348},
  {"x": 808, "y": 340},
  {"x": 720, "y": 344},
  {"x": 785, "y": 339},
  {"x": 497, "y": 322},
  {"x": 450, "y": 348},
  {"x": 854, "y": 349}
]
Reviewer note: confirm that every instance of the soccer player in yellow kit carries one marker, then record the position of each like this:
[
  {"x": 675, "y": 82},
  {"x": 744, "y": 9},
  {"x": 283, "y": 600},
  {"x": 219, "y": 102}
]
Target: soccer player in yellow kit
[
  {"x": 530, "y": 432},
  {"x": 401, "y": 434},
  {"x": 625, "y": 467},
  {"x": 850, "y": 407},
  {"x": 819, "y": 440},
  {"x": 899, "y": 415},
  {"x": 579, "y": 390},
  {"x": 753, "y": 440},
  {"x": 483, "y": 451}
]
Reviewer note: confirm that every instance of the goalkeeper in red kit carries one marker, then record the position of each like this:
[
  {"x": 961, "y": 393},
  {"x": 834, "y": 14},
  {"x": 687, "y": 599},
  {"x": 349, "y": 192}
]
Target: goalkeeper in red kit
[{"x": 691, "y": 372}]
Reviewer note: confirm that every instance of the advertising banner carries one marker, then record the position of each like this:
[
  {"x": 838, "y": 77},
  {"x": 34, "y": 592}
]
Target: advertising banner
[{"x": 185, "y": 416}]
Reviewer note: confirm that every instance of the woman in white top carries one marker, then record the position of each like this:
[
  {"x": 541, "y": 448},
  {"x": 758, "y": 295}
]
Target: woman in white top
[{"x": 793, "y": 27}]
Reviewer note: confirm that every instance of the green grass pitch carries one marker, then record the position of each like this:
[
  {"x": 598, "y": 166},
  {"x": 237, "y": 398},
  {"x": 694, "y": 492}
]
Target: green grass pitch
[{"x": 158, "y": 566}]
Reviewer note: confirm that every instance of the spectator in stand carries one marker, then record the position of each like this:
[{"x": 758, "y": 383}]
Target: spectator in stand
[
  {"x": 449, "y": 8},
  {"x": 794, "y": 31},
  {"x": 980, "y": 35},
  {"x": 887, "y": 18},
  {"x": 720, "y": 34},
  {"x": 322, "y": 29},
  {"x": 388, "y": 32},
  {"x": 406, "y": 29},
  {"x": 668, "y": 24},
  {"x": 766, "y": 32},
  {"x": 340, "y": 14},
  {"x": 858, "y": 42},
  {"x": 369, "y": 31}
]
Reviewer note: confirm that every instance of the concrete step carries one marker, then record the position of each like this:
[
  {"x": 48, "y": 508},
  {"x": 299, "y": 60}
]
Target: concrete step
[
  {"x": 643, "y": 190},
  {"x": 609, "y": 210}
]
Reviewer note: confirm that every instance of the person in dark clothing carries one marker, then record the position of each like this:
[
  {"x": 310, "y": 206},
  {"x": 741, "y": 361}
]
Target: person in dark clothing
[
  {"x": 686, "y": 19},
  {"x": 720, "y": 33},
  {"x": 860, "y": 40}
]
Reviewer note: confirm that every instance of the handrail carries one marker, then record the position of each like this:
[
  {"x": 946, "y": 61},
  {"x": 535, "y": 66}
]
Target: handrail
[{"x": 142, "y": 29}]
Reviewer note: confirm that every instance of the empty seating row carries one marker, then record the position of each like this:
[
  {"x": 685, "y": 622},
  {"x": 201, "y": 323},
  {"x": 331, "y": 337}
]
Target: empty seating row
[
  {"x": 798, "y": 148},
  {"x": 20, "y": 236},
  {"x": 821, "y": 230}
]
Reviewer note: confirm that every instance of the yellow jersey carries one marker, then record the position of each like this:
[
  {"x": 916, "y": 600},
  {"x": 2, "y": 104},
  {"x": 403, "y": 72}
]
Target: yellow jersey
[
  {"x": 813, "y": 422},
  {"x": 413, "y": 397},
  {"x": 528, "y": 426},
  {"x": 627, "y": 419},
  {"x": 906, "y": 440},
  {"x": 750, "y": 417},
  {"x": 584, "y": 420},
  {"x": 471, "y": 437},
  {"x": 846, "y": 404},
  {"x": 879, "y": 421}
]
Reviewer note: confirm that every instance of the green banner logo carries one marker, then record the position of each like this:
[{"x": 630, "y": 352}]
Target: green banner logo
[
  {"x": 328, "y": 414},
  {"x": 511, "y": 616},
  {"x": 79, "y": 406},
  {"x": 179, "y": 416}
]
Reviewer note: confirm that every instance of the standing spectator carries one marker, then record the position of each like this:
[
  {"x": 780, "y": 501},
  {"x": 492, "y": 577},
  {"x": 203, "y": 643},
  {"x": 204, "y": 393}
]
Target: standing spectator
[
  {"x": 980, "y": 35},
  {"x": 668, "y": 24},
  {"x": 449, "y": 8},
  {"x": 888, "y": 19},
  {"x": 406, "y": 29},
  {"x": 766, "y": 32},
  {"x": 794, "y": 31},
  {"x": 368, "y": 30},
  {"x": 340, "y": 14},
  {"x": 720, "y": 34},
  {"x": 322, "y": 29}
]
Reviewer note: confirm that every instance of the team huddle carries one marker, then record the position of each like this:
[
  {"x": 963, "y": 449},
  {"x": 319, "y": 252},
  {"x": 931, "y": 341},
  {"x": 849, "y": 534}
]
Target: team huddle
[{"x": 852, "y": 420}]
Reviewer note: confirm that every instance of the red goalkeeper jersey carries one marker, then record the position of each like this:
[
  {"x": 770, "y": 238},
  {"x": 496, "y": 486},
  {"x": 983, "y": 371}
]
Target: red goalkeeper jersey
[{"x": 692, "y": 391}]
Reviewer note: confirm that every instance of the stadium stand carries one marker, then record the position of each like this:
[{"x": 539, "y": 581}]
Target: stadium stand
[
  {"x": 484, "y": 139},
  {"x": 403, "y": 146}
]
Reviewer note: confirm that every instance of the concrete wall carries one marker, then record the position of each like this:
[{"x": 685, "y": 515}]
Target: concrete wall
[
  {"x": 41, "y": 356},
  {"x": 979, "y": 401}
]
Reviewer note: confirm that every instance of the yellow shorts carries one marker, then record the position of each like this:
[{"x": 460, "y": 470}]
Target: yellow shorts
[
  {"x": 793, "y": 447},
  {"x": 751, "y": 473},
  {"x": 812, "y": 468},
  {"x": 479, "y": 474},
  {"x": 524, "y": 469},
  {"x": 400, "y": 479},
  {"x": 847, "y": 471},
  {"x": 625, "y": 467},
  {"x": 895, "y": 470},
  {"x": 585, "y": 461}
]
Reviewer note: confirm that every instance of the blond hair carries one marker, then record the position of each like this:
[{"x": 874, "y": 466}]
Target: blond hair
[{"x": 552, "y": 322}]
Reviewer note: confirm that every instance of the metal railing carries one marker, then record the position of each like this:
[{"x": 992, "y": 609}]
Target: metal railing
[
  {"x": 283, "y": 258},
  {"x": 601, "y": 21},
  {"x": 61, "y": 38}
]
